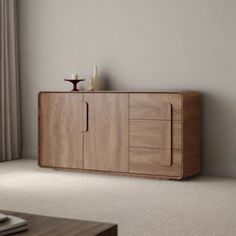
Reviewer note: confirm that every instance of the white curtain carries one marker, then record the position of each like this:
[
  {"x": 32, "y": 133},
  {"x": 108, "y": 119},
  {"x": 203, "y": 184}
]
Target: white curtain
[{"x": 10, "y": 145}]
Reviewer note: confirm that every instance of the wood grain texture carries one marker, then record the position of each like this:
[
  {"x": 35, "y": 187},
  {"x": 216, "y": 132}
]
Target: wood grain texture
[
  {"x": 191, "y": 134},
  {"x": 155, "y": 134},
  {"x": 53, "y": 226},
  {"x": 106, "y": 141},
  {"x": 150, "y": 161},
  {"x": 153, "y": 106},
  {"x": 60, "y": 130},
  {"x": 107, "y": 123},
  {"x": 158, "y": 135}
]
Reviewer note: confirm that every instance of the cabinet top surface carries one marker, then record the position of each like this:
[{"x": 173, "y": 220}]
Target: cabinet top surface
[{"x": 110, "y": 91}]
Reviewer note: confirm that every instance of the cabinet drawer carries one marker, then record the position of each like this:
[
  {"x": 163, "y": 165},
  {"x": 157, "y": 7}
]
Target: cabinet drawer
[
  {"x": 155, "y": 134},
  {"x": 152, "y": 161},
  {"x": 155, "y": 106}
]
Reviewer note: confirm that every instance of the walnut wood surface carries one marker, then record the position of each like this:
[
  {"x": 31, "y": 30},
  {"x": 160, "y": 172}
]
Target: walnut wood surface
[
  {"x": 153, "y": 106},
  {"x": 150, "y": 161},
  {"x": 155, "y": 134},
  {"x": 106, "y": 141},
  {"x": 60, "y": 132},
  {"x": 130, "y": 133},
  {"x": 191, "y": 134},
  {"x": 51, "y": 226}
]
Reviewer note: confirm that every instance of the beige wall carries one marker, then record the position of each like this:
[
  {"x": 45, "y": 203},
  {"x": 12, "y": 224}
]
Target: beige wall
[{"x": 137, "y": 44}]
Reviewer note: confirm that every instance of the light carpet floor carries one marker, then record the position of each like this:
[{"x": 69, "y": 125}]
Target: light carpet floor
[{"x": 204, "y": 206}]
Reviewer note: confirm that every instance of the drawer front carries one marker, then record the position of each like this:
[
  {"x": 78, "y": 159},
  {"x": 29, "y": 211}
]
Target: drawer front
[
  {"x": 155, "y": 162},
  {"x": 155, "y": 106},
  {"x": 155, "y": 134}
]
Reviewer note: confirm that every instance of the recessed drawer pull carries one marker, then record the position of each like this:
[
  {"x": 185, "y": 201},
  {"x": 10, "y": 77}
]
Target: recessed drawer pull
[{"x": 85, "y": 117}]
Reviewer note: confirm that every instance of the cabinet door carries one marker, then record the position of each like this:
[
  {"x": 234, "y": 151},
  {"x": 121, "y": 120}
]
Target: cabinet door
[
  {"x": 106, "y": 139},
  {"x": 60, "y": 130}
]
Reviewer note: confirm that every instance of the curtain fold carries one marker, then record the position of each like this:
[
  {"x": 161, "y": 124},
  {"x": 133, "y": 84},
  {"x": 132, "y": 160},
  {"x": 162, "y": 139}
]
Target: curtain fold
[{"x": 10, "y": 138}]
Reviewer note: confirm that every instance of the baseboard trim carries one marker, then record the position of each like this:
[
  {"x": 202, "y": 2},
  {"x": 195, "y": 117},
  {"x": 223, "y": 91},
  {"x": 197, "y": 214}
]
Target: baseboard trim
[
  {"x": 220, "y": 170},
  {"x": 29, "y": 154}
]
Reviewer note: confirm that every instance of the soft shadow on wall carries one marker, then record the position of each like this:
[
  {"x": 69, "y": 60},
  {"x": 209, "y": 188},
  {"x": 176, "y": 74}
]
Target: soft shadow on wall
[
  {"x": 106, "y": 81},
  {"x": 218, "y": 133}
]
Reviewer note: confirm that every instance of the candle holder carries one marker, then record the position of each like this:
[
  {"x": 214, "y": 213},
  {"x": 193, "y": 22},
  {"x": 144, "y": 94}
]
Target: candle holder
[{"x": 74, "y": 82}]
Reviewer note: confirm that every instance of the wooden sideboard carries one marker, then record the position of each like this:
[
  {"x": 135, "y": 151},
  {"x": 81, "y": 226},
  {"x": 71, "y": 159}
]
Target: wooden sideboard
[{"x": 149, "y": 134}]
